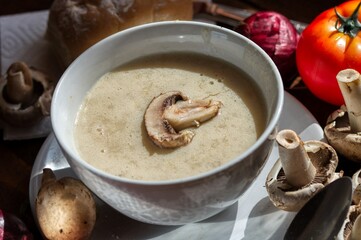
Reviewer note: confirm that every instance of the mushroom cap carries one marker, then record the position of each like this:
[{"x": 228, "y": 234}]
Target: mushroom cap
[
  {"x": 65, "y": 208},
  {"x": 290, "y": 198},
  {"x": 26, "y": 114},
  {"x": 169, "y": 114},
  {"x": 353, "y": 212},
  {"x": 339, "y": 136}
]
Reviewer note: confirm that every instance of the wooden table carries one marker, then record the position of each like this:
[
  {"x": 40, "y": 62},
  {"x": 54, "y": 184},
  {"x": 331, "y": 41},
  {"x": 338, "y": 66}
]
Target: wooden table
[{"x": 17, "y": 157}]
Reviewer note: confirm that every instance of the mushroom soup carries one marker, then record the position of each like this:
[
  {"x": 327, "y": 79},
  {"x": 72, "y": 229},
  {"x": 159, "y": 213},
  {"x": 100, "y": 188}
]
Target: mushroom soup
[{"x": 110, "y": 131}]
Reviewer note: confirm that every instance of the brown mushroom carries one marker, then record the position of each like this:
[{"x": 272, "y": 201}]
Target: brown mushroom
[
  {"x": 356, "y": 229},
  {"x": 65, "y": 208},
  {"x": 25, "y": 95},
  {"x": 303, "y": 168},
  {"x": 356, "y": 182},
  {"x": 343, "y": 128},
  {"x": 169, "y": 114},
  {"x": 351, "y": 229}
]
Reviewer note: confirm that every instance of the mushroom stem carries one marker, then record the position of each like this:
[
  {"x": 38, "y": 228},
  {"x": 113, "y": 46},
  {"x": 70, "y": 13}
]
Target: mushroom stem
[
  {"x": 350, "y": 86},
  {"x": 19, "y": 83},
  {"x": 48, "y": 176},
  {"x": 185, "y": 114},
  {"x": 296, "y": 164}
]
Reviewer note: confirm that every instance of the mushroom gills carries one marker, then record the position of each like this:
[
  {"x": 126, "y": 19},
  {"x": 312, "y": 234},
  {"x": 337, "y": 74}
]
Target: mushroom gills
[
  {"x": 352, "y": 224},
  {"x": 356, "y": 229},
  {"x": 169, "y": 114}
]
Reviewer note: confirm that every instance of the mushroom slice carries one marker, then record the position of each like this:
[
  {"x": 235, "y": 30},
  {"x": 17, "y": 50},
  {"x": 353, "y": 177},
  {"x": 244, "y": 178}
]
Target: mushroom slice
[
  {"x": 25, "y": 95},
  {"x": 301, "y": 171},
  {"x": 190, "y": 113},
  {"x": 343, "y": 128},
  {"x": 169, "y": 114}
]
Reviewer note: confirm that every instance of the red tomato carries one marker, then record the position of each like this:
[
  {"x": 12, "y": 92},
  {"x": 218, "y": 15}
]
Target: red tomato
[{"x": 324, "y": 50}]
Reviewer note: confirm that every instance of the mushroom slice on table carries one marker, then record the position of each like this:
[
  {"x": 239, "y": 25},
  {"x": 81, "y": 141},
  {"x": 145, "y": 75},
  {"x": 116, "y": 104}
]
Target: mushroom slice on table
[
  {"x": 343, "y": 128},
  {"x": 169, "y": 114},
  {"x": 303, "y": 168},
  {"x": 25, "y": 95}
]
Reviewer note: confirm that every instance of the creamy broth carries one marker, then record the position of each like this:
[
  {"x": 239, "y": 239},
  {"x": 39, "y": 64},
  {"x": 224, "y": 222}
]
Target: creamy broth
[{"x": 110, "y": 132}]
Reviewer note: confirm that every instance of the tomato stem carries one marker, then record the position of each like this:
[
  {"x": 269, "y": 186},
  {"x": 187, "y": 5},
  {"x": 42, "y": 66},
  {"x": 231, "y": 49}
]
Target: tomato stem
[{"x": 348, "y": 25}]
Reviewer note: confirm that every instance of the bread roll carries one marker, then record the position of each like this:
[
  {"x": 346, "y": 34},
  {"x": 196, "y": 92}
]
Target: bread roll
[{"x": 75, "y": 25}]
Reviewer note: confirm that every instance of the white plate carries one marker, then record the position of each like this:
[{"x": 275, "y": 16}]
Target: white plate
[{"x": 252, "y": 217}]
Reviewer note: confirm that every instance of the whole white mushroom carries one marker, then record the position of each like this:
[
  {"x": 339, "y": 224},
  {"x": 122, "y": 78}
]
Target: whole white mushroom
[{"x": 65, "y": 208}]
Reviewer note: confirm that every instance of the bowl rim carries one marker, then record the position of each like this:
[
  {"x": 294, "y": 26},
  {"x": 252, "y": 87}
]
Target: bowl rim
[{"x": 267, "y": 132}]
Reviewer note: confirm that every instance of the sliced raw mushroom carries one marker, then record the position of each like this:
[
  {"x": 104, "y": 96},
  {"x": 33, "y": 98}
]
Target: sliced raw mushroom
[
  {"x": 303, "y": 168},
  {"x": 343, "y": 128},
  {"x": 170, "y": 114},
  {"x": 25, "y": 95}
]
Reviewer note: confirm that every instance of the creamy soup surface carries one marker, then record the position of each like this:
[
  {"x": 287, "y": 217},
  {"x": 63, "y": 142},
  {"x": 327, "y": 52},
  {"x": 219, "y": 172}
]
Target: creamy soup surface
[{"x": 110, "y": 132}]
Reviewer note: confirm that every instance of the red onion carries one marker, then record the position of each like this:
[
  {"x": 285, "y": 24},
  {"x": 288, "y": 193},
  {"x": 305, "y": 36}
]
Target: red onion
[
  {"x": 12, "y": 228},
  {"x": 277, "y": 36}
]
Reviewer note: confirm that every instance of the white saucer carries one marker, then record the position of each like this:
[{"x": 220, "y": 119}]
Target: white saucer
[{"x": 252, "y": 217}]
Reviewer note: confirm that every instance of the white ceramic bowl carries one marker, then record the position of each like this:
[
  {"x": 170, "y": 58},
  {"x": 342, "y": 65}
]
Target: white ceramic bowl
[{"x": 177, "y": 201}]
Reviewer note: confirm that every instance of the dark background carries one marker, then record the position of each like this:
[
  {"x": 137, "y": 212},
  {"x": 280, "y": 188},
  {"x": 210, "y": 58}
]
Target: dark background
[{"x": 303, "y": 11}]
